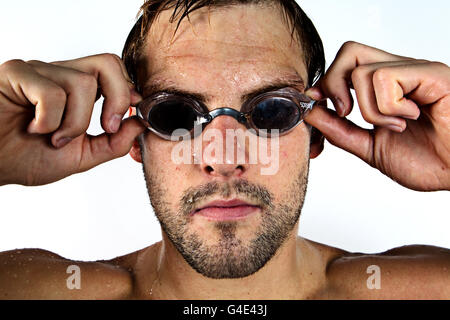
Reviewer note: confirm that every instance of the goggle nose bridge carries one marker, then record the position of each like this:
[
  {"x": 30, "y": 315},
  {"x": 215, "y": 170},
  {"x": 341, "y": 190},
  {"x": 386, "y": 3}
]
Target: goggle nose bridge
[{"x": 207, "y": 118}]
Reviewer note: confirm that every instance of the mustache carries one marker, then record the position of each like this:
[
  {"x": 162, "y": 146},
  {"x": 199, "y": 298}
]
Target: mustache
[{"x": 250, "y": 191}]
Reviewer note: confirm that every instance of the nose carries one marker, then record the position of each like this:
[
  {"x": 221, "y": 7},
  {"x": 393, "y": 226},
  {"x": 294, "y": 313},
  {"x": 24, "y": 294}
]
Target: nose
[{"x": 224, "y": 154}]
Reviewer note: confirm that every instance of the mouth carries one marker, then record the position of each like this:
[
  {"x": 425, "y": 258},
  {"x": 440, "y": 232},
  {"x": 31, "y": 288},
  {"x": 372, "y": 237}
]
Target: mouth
[{"x": 221, "y": 210}]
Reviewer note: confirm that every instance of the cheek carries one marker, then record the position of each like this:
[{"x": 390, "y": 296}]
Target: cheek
[
  {"x": 294, "y": 148},
  {"x": 293, "y": 159},
  {"x": 159, "y": 163},
  {"x": 159, "y": 166},
  {"x": 156, "y": 154}
]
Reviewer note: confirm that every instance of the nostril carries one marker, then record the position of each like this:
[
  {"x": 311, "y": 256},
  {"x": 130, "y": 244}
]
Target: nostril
[
  {"x": 209, "y": 169},
  {"x": 223, "y": 170}
]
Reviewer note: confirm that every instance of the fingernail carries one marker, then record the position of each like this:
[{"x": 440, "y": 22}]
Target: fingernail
[
  {"x": 114, "y": 123},
  {"x": 395, "y": 128},
  {"x": 340, "y": 107},
  {"x": 62, "y": 142},
  {"x": 411, "y": 117},
  {"x": 314, "y": 93}
]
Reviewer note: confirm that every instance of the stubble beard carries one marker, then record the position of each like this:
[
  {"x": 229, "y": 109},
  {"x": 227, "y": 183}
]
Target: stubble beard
[{"x": 230, "y": 257}]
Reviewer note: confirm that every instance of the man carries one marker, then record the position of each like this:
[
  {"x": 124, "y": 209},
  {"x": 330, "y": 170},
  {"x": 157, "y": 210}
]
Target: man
[{"x": 229, "y": 232}]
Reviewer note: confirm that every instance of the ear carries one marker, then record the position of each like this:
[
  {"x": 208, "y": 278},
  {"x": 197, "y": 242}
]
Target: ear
[
  {"x": 316, "y": 144},
  {"x": 135, "y": 151}
]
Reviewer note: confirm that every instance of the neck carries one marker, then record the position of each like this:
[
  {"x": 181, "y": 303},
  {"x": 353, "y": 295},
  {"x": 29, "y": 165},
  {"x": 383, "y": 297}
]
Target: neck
[{"x": 292, "y": 273}]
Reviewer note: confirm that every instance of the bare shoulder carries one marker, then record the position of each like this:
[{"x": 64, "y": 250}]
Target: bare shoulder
[
  {"x": 327, "y": 253},
  {"x": 41, "y": 274},
  {"x": 408, "y": 272}
]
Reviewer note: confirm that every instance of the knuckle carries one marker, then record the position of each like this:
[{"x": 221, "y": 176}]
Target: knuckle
[
  {"x": 382, "y": 75},
  {"x": 349, "y": 46},
  {"x": 438, "y": 64},
  {"x": 110, "y": 58},
  {"x": 368, "y": 115},
  {"x": 387, "y": 107},
  {"x": 34, "y": 62},
  {"x": 114, "y": 60},
  {"x": 422, "y": 61},
  {"x": 359, "y": 74},
  {"x": 12, "y": 65}
]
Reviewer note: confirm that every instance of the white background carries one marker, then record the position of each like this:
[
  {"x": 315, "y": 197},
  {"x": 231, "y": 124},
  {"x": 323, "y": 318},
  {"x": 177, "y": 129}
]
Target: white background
[{"x": 106, "y": 212}]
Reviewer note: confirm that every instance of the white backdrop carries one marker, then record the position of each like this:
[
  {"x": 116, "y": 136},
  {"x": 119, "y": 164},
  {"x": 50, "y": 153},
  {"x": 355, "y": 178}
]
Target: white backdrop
[{"x": 105, "y": 212}]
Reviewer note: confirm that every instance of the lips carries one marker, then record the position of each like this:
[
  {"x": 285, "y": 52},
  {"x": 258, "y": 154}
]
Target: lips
[{"x": 221, "y": 210}]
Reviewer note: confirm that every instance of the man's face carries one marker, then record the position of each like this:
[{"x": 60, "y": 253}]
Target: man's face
[{"x": 225, "y": 55}]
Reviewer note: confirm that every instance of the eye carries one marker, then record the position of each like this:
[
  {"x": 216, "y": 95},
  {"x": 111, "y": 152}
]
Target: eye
[{"x": 275, "y": 113}]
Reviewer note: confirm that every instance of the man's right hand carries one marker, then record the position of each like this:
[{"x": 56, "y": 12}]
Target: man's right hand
[{"x": 46, "y": 108}]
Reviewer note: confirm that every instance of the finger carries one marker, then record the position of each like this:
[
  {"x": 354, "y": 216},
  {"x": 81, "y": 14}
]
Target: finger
[
  {"x": 390, "y": 96},
  {"x": 81, "y": 90},
  {"x": 315, "y": 93},
  {"x": 402, "y": 89},
  {"x": 381, "y": 98},
  {"x": 342, "y": 132},
  {"x": 135, "y": 97},
  {"x": 317, "y": 143},
  {"x": 25, "y": 86},
  {"x": 115, "y": 86},
  {"x": 105, "y": 147},
  {"x": 362, "y": 79},
  {"x": 335, "y": 83}
]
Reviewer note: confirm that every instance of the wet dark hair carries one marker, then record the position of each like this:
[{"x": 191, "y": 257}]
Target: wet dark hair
[{"x": 302, "y": 28}]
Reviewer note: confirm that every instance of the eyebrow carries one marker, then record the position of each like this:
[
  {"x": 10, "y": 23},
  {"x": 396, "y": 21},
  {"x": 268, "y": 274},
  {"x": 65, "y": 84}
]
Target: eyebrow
[{"x": 275, "y": 84}]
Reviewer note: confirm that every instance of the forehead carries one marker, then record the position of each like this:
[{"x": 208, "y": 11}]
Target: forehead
[{"x": 222, "y": 50}]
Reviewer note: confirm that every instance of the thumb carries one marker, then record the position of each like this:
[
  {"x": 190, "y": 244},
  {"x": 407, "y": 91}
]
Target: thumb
[
  {"x": 106, "y": 147},
  {"x": 342, "y": 133}
]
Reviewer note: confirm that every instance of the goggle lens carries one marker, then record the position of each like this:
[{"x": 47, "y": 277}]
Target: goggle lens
[
  {"x": 275, "y": 113},
  {"x": 168, "y": 116}
]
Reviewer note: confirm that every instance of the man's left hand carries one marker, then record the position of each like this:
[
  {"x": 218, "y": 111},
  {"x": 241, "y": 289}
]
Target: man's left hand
[{"x": 407, "y": 101}]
